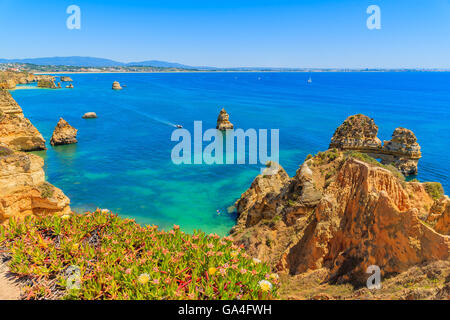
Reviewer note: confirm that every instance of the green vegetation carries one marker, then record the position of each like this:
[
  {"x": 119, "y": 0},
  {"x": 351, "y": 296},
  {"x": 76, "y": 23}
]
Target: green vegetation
[
  {"x": 325, "y": 157},
  {"x": 46, "y": 190},
  {"x": 368, "y": 159},
  {"x": 119, "y": 259},
  {"x": 434, "y": 189}
]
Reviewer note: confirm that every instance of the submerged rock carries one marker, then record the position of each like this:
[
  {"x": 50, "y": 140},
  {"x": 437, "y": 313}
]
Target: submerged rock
[
  {"x": 223, "y": 122},
  {"x": 64, "y": 133},
  {"x": 116, "y": 86},
  {"x": 89, "y": 115}
]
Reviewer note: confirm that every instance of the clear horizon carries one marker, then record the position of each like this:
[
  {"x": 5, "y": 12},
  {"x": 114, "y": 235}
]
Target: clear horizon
[{"x": 278, "y": 34}]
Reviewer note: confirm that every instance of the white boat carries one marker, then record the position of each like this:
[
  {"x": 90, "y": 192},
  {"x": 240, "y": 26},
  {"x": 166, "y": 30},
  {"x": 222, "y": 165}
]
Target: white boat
[{"x": 309, "y": 80}]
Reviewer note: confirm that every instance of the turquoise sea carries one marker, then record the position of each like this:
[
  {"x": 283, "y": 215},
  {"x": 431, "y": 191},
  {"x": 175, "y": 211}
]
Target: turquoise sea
[{"x": 123, "y": 159}]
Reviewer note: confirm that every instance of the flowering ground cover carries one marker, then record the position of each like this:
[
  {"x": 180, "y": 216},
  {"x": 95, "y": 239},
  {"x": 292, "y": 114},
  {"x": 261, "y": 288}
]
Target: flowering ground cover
[{"x": 98, "y": 255}]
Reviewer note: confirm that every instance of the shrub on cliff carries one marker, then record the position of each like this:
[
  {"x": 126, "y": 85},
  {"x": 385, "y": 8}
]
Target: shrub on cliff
[
  {"x": 116, "y": 258},
  {"x": 434, "y": 189}
]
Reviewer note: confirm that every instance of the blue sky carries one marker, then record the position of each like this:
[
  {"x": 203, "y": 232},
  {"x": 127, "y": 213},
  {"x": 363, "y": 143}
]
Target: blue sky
[{"x": 231, "y": 33}]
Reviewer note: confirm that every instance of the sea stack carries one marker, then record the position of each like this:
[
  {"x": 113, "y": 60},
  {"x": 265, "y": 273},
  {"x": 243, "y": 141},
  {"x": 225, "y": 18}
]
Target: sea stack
[
  {"x": 89, "y": 115},
  {"x": 47, "y": 84},
  {"x": 66, "y": 79},
  {"x": 359, "y": 133},
  {"x": 223, "y": 122},
  {"x": 116, "y": 86},
  {"x": 64, "y": 133}
]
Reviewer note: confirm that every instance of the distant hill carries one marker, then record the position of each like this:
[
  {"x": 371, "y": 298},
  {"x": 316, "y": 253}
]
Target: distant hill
[{"x": 95, "y": 62}]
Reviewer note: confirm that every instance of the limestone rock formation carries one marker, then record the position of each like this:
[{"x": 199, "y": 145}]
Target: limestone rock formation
[
  {"x": 89, "y": 115},
  {"x": 405, "y": 150},
  {"x": 359, "y": 133},
  {"x": 47, "y": 84},
  {"x": 356, "y": 133},
  {"x": 251, "y": 204},
  {"x": 9, "y": 79},
  {"x": 66, "y": 79},
  {"x": 439, "y": 216},
  {"x": 223, "y": 122},
  {"x": 23, "y": 190},
  {"x": 116, "y": 86},
  {"x": 341, "y": 214},
  {"x": 16, "y": 131},
  {"x": 64, "y": 133}
]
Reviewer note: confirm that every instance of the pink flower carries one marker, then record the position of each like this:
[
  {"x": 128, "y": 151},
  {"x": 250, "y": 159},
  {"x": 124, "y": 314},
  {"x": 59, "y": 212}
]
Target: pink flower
[
  {"x": 155, "y": 281},
  {"x": 176, "y": 227},
  {"x": 210, "y": 245},
  {"x": 128, "y": 271},
  {"x": 254, "y": 272},
  {"x": 243, "y": 271}
]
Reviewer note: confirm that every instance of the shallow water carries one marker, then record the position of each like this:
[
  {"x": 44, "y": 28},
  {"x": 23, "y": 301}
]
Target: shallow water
[{"x": 122, "y": 161}]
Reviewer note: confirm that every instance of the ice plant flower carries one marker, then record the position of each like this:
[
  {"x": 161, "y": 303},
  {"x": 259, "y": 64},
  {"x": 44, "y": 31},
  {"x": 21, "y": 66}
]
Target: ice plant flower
[
  {"x": 65, "y": 217},
  {"x": 144, "y": 278},
  {"x": 265, "y": 285},
  {"x": 155, "y": 281},
  {"x": 212, "y": 271},
  {"x": 273, "y": 276},
  {"x": 233, "y": 254}
]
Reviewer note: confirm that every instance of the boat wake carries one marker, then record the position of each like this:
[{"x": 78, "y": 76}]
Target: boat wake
[{"x": 151, "y": 117}]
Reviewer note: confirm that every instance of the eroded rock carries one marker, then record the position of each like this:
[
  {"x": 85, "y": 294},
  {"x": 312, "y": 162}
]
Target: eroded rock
[
  {"x": 223, "y": 121},
  {"x": 64, "y": 133}
]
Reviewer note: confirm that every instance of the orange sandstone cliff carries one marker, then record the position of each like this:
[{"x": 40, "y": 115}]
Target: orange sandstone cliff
[{"x": 342, "y": 212}]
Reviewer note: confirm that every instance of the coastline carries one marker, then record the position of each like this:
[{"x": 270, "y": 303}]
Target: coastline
[{"x": 247, "y": 71}]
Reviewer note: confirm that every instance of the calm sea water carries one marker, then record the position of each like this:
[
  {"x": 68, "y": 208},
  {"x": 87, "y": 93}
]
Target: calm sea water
[{"x": 122, "y": 161}]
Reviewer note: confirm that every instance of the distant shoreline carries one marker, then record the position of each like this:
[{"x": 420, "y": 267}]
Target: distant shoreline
[{"x": 242, "y": 71}]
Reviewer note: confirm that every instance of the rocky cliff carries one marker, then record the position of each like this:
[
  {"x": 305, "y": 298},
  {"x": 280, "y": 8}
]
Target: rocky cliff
[
  {"x": 16, "y": 131},
  {"x": 23, "y": 190},
  {"x": 9, "y": 79},
  {"x": 340, "y": 213},
  {"x": 359, "y": 133}
]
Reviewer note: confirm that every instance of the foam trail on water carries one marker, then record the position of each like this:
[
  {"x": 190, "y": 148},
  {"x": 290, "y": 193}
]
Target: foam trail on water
[{"x": 156, "y": 119}]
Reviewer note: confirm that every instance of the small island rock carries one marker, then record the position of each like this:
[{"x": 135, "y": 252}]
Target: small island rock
[
  {"x": 116, "y": 86},
  {"x": 89, "y": 115},
  {"x": 66, "y": 79},
  {"x": 223, "y": 122},
  {"x": 64, "y": 134}
]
